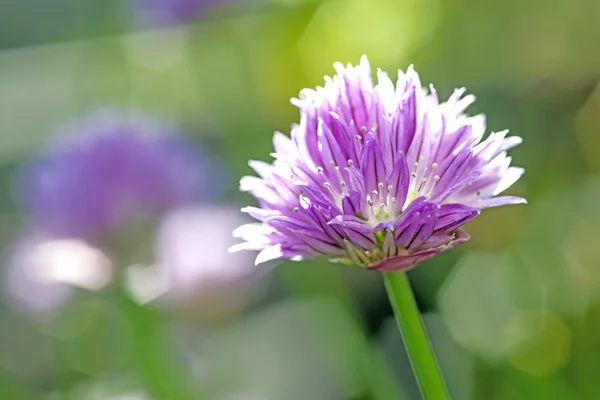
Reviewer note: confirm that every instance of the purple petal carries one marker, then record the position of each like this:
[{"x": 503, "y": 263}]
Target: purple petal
[
  {"x": 491, "y": 147},
  {"x": 345, "y": 135},
  {"x": 321, "y": 217},
  {"x": 348, "y": 221},
  {"x": 403, "y": 262},
  {"x": 450, "y": 141},
  {"x": 363, "y": 240},
  {"x": 316, "y": 196},
  {"x": 352, "y": 204},
  {"x": 372, "y": 164},
  {"x": 314, "y": 239},
  {"x": 420, "y": 227},
  {"x": 407, "y": 261},
  {"x": 407, "y": 216},
  {"x": 459, "y": 185},
  {"x": 452, "y": 169},
  {"x": 399, "y": 180},
  {"x": 452, "y": 216},
  {"x": 357, "y": 179},
  {"x": 436, "y": 241},
  {"x": 284, "y": 224},
  {"x": 330, "y": 150},
  {"x": 404, "y": 123}
]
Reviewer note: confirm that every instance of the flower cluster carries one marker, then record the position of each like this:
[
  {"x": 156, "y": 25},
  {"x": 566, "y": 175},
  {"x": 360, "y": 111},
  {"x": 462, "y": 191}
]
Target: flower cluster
[{"x": 379, "y": 175}]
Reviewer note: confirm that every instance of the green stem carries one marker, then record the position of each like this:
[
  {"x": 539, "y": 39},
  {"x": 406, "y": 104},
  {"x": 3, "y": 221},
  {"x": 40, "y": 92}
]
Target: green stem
[
  {"x": 416, "y": 341},
  {"x": 162, "y": 376}
]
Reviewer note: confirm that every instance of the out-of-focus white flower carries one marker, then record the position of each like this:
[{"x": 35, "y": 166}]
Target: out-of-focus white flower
[
  {"x": 193, "y": 270},
  {"x": 42, "y": 272}
]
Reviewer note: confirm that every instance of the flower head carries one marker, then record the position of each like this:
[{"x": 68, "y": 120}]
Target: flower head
[
  {"x": 378, "y": 175},
  {"x": 106, "y": 172}
]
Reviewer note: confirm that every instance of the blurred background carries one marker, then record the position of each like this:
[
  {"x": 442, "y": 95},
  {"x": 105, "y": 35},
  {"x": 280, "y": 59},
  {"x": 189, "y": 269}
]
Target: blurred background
[{"x": 155, "y": 308}]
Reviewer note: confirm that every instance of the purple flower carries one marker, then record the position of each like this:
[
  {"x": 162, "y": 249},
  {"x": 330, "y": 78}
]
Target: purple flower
[
  {"x": 159, "y": 12},
  {"x": 376, "y": 175},
  {"x": 107, "y": 172}
]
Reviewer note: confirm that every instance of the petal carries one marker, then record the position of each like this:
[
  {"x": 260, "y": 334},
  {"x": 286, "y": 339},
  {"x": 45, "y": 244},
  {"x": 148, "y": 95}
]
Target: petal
[
  {"x": 286, "y": 189},
  {"x": 511, "y": 176},
  {"x": 405, "y": 262},
  {"x": 345, "y": 135},
  {"x": 450, "y": 104},
  {"x": 399, "y": 180},
  {"x": 356, "y": 255},
  {"x": 316, "y": 196},
  {"x": 498, "y": 201},
  {"x": 509, "y": 143},
  {"x": 463, "y": 103},
  {"x": 458, "y": 185},
  {"x": 452, "y": 169},
  {"x": 405, "y": 121},
  {"x": 348, "y": 221},
  {"x": 246, "y": 246},
  {"x": 489, "y": 148},
  {"x": 314, "y": 239},
  {"x": 356, "y": 179},
  {"x": 363, "y": 240},
  {"x": 372, "y": 164},
  {"x": 321, "y": 217},
  {"x": 262, "y": 191},
  {"x": 389, "y": 247},
  {"x": 252, "y": 230},
  {"x": 436, "y": 241},
  {"x": 260, "y": 214},
  {"x": 276, "y": 252},
  {"x": 330, "y": 150},
  {"x": 408, "y": 215},
  {"x": 419, "y": 228},
  {"x": 284, "y": 145},
  {"x": 453, "y": 139},
  {"x": 263, "y": 169},
  {"x": 352, "y": 204},
  {"x": 284, "y": 224},
  {"x": 452, "y": 216}
]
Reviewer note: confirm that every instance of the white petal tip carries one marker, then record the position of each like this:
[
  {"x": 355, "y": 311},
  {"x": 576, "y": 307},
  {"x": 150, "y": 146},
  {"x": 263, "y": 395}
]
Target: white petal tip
[{"x": 234, "y": 249}]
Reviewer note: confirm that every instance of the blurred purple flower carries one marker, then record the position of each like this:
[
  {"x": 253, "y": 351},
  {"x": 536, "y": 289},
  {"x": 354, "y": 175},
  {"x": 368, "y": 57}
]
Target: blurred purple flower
[
  {"x": 158, "y": 12},
  {"x": 108, "y": 171},
  {"x": 194, "y": 272},
  {"x": 376, "y": 175}
]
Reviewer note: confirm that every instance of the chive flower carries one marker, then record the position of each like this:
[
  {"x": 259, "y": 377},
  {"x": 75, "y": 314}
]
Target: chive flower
[
  {"x": 376, "y": 175},
  {"x": 106, "y": 172}
]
